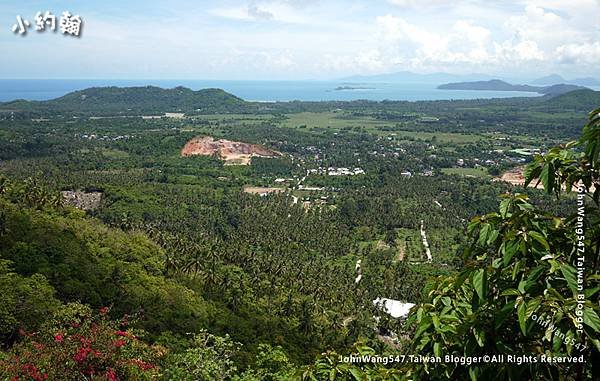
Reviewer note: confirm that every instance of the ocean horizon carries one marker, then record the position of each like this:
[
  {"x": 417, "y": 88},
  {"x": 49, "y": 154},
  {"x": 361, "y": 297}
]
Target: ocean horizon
[{"x": 254, "y": 90}]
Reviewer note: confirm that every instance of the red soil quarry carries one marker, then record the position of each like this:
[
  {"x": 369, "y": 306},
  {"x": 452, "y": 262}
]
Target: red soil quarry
[{"x": 233, "y": 153}]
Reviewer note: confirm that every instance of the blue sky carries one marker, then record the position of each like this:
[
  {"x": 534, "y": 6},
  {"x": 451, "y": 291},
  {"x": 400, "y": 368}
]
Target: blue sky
[{"x": 304, "y": 39}]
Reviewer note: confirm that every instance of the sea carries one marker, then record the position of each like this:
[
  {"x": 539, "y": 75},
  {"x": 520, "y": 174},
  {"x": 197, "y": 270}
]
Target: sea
[{"x": 265, "y": 91}]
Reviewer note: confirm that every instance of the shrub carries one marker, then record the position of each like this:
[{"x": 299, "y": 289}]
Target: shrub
[{"x": 77, "y": 344}]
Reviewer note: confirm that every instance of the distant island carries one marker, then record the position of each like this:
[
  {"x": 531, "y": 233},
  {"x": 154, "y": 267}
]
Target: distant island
[
  {"x": 341, "y": 88},
  {"x": 498, "y": 85},
  {"x": 440, "y": 77}
]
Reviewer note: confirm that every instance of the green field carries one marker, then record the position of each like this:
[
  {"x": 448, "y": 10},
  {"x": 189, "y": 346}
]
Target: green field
[
  {"x": 476, "y": 172},
  {"x": 340, "y": 121}
]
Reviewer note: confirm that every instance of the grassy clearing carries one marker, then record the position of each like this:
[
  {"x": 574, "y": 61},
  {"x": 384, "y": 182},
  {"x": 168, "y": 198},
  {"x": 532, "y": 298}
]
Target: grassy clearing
[
  {"x": 114, "y": 154},
  {"x": 444, "y": 137},
  {"x": 339, "y": 121},
  {"x": 476, "y": 172},
  {"x": 329, "y": 120},
  {"x": 343, "y": 121},
  {"x": 409, "y": 245},
  {"x": 233, "y": 117}
]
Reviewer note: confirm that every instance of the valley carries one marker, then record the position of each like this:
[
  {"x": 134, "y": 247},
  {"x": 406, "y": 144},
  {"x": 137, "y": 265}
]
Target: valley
[{"x": 250, "y": 220}]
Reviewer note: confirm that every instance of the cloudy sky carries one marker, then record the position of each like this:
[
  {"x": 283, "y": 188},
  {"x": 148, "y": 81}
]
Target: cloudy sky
[{"x": 304, "y": 39}]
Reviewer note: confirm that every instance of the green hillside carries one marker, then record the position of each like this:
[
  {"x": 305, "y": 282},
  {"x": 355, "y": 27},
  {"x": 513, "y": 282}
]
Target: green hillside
[
  {"x": 148, "y": 100},
  {"x": 584, "y": 100}
]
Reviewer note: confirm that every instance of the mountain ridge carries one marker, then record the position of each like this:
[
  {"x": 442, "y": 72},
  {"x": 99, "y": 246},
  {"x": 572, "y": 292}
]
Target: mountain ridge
[
  {"x": 499, "y": 85},
  {"x": 554, "y": 79}
]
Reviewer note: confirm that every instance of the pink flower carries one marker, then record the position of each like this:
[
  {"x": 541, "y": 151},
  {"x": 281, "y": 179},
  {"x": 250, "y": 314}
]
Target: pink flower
[
  {"x": 59, "y": 337},
  {"x": 96, "y": 353},
  {"x": 111, "y": 375},
  {"x": 104, "y": 310},
  {"x": 81, "y": 354},
  {"x": 119, "y": 343},
  {"x": 85, "y": 342},
  {"x": 141, "y": 364},
  {"x": 33, "y": 372}
]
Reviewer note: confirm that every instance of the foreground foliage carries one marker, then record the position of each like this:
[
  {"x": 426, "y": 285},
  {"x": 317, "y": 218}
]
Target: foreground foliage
[
  {"x": 520, "y": 293},
  {"x": 529, "y": 289}
]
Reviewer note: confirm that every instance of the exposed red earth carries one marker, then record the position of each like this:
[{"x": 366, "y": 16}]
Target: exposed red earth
[{"x": 229, "y": 151}]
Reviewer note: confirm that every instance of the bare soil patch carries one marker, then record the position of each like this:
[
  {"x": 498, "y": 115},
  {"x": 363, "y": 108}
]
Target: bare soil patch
[
  {"x": 233, "y": 153},
  {"x": 515, "y": 177},
  {"x": 262, "y": 190},
  {"x": 401, "y": 250},
  {"x": 381, "y": 245}
]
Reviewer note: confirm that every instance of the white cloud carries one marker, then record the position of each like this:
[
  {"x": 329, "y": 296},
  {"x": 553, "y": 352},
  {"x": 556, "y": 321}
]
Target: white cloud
[
  {"x": 280, "y": 60},
  {"x": 364, "y": 61},
  {"x": 322, "y": 39},
  {"x": 395, "y": 28},
  {"x": 553, "y": 23},
  {"x": 586, "y": 53},
  {"x": 370, "y": 60},
  {"x": 280, "y": 11},
  {"x": 464, "y": 43},
  {"x": 539, "y": 24},
  {"x": 514, "y": 52},
  {"x": 473, "y": 33},
  {"x": 420, "y": 3},
  {"x": 259, "y": 14}
]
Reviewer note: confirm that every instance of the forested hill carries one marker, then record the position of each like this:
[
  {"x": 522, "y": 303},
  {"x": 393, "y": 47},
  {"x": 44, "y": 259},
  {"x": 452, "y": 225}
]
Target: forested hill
[
  {"x": 579, "y": 100},
  {"x": 131, "y": 100}
]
